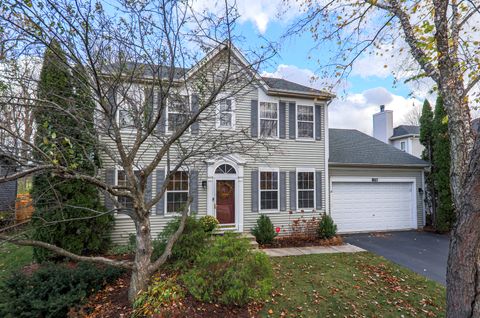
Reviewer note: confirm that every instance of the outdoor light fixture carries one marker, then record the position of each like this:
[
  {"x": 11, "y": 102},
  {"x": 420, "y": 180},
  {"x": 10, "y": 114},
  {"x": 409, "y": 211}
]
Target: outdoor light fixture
[
  {"x": 204, "y": 185},
  {"x": 420, "y": 190}
]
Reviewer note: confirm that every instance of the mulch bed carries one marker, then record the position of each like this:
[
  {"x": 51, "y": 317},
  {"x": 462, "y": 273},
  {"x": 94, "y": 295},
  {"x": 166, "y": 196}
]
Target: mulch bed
[
  {"x": 112, "y": 301},
  {"x": 299, "y": 241}
]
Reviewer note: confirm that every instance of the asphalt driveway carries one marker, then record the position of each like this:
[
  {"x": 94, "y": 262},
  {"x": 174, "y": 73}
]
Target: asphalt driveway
[{"x": 422, "y": 252}]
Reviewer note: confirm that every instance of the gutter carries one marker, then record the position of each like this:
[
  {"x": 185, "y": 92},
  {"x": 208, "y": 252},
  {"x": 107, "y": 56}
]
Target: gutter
[
  {"x": 404, "y": 136},
  {"x": 365, "y": 165}
]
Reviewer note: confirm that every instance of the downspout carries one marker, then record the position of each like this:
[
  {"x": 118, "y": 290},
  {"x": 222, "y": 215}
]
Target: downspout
[{"x": 327, "y": 156}]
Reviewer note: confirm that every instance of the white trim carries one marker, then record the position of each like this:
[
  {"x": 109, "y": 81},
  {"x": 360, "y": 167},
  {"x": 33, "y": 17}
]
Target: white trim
[
  {"x": 260, "y": 119},
  {"x": 326, "y": 140},
  {"x": 413, "y": 181},
  {"x": 238, "y": 164},
  {"x": 296, "y": 123},
  {"x": 297, "y": 170},
  {"x": 260, "y": 170},
  {"x": 424, "y": 217},
  {"x": 218, "y": 113},
  {"x": 167, "y": 131},
  {"x": 165, "y": 196}
]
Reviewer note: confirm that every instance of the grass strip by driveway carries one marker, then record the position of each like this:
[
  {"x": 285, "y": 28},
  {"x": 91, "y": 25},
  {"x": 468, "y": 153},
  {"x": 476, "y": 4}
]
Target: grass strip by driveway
[
  {"x": 13, "y": 257},
  {"x": 350, "y": 285}
]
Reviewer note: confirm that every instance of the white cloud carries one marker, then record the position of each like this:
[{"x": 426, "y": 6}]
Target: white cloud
[
  {"x": 258, "y": 12},
  {"x": 355, "y": 110}
]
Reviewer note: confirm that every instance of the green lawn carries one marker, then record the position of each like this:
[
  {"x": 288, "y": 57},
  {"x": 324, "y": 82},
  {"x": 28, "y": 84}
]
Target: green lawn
[
  {"x": 350, "y": 285},
  {"x": 13, "y": 257}
]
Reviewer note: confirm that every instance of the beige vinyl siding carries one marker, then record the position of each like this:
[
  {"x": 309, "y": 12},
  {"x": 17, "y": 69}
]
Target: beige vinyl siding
[
  {"x": 385, "y": 173},
  {"x": 286, "y": 154}
]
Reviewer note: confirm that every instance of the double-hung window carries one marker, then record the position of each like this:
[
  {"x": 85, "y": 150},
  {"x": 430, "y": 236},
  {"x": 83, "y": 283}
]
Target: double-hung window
[
  {"x": 306, "y": 188},
  {"x": 177, "y": 192},
  {"x": 269, "y": 196},
  {"x": 130, "y": 101},
  {"x": 268, "y": 119},
  {"x": 226, "y": 114},
  {"x": 178, "y": 112},
  {"x": 125, "y": 201},
  {"x": 305, "y": 121}
]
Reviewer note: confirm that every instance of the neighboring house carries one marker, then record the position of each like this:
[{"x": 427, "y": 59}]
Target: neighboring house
[
  {"x": 8, "y": 190},
  {"x": 476, "y": 125},
  {"x": 373, "y": 186},
  {"x": 365, "y": 195},
  {"x": 403, "y": 137}
]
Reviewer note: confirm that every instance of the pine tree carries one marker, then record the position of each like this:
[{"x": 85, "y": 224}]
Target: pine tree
[
  {"x": 441, "y": 154},
  {"x": 426, "y": 139},
  {"x": 68, "y": 213}
]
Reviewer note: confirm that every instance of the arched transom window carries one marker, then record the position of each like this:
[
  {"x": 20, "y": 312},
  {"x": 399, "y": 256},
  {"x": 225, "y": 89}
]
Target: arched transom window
[{"x": 225, "y": 168}]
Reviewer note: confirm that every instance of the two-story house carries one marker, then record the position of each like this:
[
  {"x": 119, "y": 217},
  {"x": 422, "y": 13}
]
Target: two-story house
[{"x": 294, "y": 178}]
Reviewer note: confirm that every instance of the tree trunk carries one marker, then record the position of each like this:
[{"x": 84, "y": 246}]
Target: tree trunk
[{"x": 143, "y": 252}]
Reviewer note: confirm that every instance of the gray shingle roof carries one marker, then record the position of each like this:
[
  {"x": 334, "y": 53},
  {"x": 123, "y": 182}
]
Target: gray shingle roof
[
  {"x": 350, "y": 146},
  {"x": 282, "y": 84},
  {"x": 405, "y": 130},
  {"x": 476, "y": 125}
]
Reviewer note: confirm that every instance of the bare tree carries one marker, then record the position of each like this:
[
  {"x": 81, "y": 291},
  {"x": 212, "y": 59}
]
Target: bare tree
[
  {"x": 413, "y": 116},
  {"x": 137, "y": 59},
  {"x": 441, "y": 38}
]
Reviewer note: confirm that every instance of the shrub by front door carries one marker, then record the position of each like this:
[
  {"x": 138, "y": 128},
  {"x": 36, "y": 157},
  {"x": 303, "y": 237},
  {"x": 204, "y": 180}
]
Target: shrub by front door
[{"x": 225, "y": 202}]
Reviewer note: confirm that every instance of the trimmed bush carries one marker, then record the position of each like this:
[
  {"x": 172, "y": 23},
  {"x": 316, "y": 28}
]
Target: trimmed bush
[
  {"x": 209, "y": 223},
  {"x": 52, "y": 290},
  {"x": 229, "y": 272},
  {"x": 190, "y": 244},
  {"x": 326, "y": 227},
  {"x": 264, "y": 231},
  {"x": 161, "y": 293}
]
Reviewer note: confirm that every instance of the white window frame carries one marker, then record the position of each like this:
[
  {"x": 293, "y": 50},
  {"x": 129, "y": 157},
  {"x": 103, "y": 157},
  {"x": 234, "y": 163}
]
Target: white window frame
[
  {"x": 167, "y": 128},
  {"x": 218, "y": 114},
  {"x": 166, "y": 213},
  {"x": 260, "y": 119},
  {"x": 403, "y": 146},
  {"x": 312, "y": 170},
  {"x": 260, "y": 170},
  {"x": 297, "y": 121},
  {"x": 117, "y": 170}
]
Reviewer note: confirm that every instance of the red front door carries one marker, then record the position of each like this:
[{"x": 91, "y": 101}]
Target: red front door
[{"x": 226, "y": 201}]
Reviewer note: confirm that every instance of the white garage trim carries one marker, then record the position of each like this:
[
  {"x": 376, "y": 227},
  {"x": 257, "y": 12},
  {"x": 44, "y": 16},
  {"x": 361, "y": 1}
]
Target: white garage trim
[{"x": 374, "y": 179}]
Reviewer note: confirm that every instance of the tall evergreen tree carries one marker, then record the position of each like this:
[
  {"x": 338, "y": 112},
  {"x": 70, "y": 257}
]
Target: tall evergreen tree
[
  {"x": 441, "y": 152},
  {"x": 426, "y": 139},
  {"x": 68, "y": 213}
]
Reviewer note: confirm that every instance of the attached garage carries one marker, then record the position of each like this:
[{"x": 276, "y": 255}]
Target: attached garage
[{"x": 373, "y": 185}]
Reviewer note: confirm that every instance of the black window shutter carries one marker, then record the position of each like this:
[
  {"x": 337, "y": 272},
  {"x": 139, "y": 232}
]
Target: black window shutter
[
  {"x": 293, "y": 190},
  {"x": 193, "y": 187},
  {"x": 283, "y": 191},
  {"x": 292, "y": 113},
  {"x": 254, "y": 118},
  {"x": 318, "y": 122},
  {"x": 110, "y": 180},
  {"x": 196, "y": 125},
  {"x": 160, "y": 208},
  {"x": 255, "y": 190},
  {"x": 148, "y": 189},
  {"x": 318, "y": 190},
  {"x": 163, "y": 117},
  {"x": 282, "y": 114}
]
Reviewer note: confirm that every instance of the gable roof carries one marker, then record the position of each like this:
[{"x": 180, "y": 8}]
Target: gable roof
[
  {"x": 405, "y": 130},
  {"x": 352, "y": 147},
  {"x": 284, "y": 85}
]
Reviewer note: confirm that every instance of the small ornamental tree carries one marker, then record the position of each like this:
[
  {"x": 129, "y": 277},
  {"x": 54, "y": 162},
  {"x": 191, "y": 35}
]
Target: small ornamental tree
[
  {"x": 68, "y": 213},
  {"x": 441, "y": 152},
  {"x": 264, "y": 230},
  {"x": 427, "y": 140}
]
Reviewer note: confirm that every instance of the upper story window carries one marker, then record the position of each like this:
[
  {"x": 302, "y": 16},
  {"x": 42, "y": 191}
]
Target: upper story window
[
  {"x": 268, "y": 119},
  {"x": 226, "y": 114},
  {"x": 131, "y": 101},
  {"x": 305, "y": 122},
  {"x": 177, "y": 192},
  {"x": 403, "y": 146},
  {"x": 126, "y": 202},
  {"x": 269, "y": 196},
  {"x": 178, "y": 112},
  {"x": 305, "y": 188}
]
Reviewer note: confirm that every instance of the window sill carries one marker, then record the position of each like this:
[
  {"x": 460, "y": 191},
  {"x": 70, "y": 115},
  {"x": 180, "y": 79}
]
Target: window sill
[
  {"x": 268, "y": 211},
  {"x": 306, "y": 139}
]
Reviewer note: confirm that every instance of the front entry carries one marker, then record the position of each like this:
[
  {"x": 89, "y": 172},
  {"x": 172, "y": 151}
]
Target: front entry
[{"x": 225, "y": 201}]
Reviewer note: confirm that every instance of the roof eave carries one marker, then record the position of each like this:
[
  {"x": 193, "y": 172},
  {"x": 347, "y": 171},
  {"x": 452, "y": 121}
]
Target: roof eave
[
  {"x": 290, "y": 93},
  {"x": 378, "y": 165},
  {"x": 404, "y": 136}
]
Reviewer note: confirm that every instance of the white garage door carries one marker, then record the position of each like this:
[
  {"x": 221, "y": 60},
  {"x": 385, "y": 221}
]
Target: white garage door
[{"x": 367, "y": 206}]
